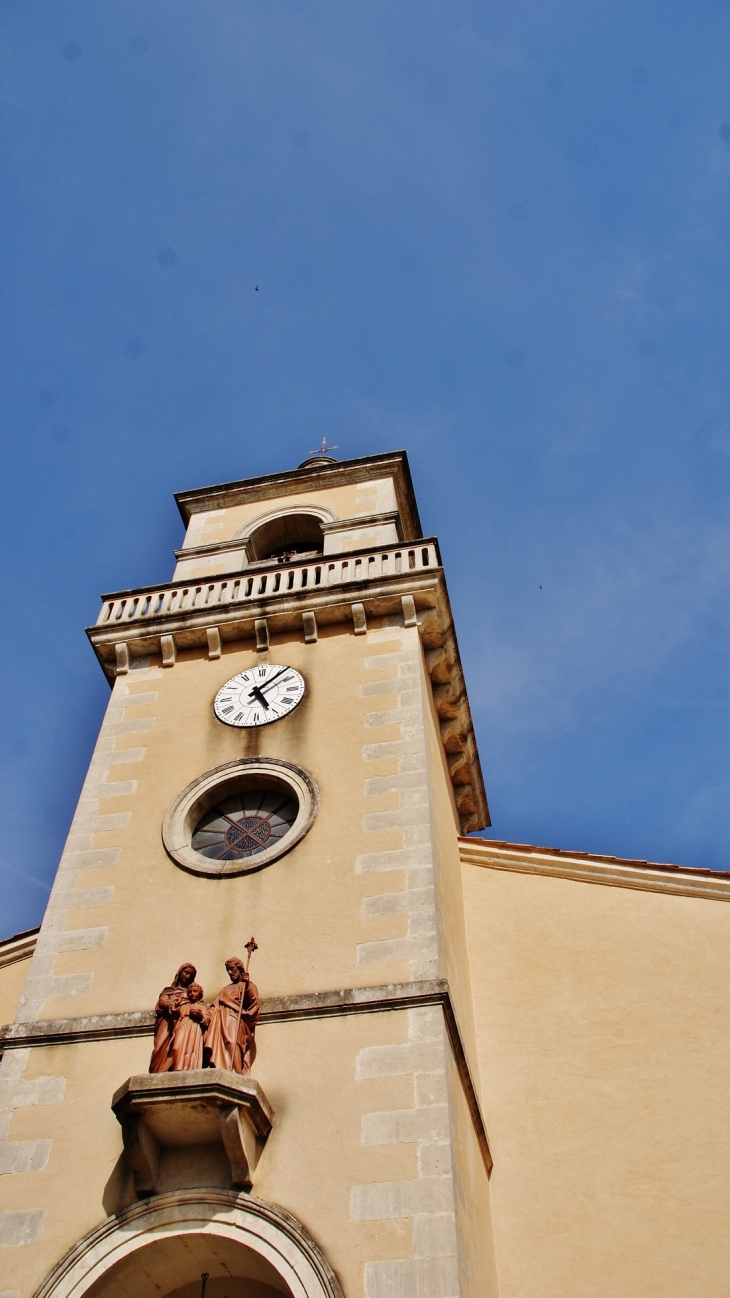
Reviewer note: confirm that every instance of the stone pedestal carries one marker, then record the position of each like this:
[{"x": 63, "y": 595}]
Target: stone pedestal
[{"x": 210, "y": 1107}]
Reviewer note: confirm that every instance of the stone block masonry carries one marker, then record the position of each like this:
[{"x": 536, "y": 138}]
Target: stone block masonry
[
  {"x": 412, "y": 817},
  {"x": 427, "y": 1201},
  {"x": 101, "y": 785},
  {"x": 17, "y": 1093},
  {"x": 23, "y": 1226}
]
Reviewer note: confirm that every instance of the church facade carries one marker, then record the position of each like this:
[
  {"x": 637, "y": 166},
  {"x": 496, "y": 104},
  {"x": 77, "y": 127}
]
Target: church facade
[{"x": 288, "y": 1027}]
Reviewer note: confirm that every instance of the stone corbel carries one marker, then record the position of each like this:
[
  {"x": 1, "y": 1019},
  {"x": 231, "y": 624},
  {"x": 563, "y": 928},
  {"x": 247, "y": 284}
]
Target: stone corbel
[
  {"x": 410, "y": 617},
  {"x": 141, "y": 1151},
  {"x": 121, "y": 653},
  {"x": 445, "y": 701},
  {"x": 262, "y": 634},
  {"x": 213, "y": 637},
  {"x": 359, "y": 619},
  {"x": 437, "y": 663},
  {"x": 168, "y": 650},
  {"x": 207, "y": 1106}
]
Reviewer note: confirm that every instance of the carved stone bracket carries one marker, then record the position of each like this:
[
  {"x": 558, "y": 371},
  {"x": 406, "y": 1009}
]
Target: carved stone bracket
[{"x": 207, "y": 1106}]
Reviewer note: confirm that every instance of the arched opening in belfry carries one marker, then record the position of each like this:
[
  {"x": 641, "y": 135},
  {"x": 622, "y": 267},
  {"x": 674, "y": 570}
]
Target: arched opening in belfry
[
  {"x": 288, "y": 535},
  {"x": 173, "y": 1267}
]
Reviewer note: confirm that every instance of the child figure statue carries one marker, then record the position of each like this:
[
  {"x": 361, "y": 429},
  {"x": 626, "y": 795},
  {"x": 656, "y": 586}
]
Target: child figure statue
[{"x": 187, "y": 1043}]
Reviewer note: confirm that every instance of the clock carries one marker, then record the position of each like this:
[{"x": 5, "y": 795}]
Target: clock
[{"x": 258, "y": 696}]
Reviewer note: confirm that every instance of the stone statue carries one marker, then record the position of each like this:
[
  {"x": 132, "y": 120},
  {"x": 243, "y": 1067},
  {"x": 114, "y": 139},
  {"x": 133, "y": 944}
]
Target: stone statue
[
  {"x": 167, "y": 1015},
  {"x": 229, "y": 1040},
  {"x": 187, "y": 1037}
]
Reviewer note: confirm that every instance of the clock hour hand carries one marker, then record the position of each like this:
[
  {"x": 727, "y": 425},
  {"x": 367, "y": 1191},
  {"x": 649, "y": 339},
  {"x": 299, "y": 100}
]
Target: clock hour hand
[{"x": 256, "y": 694}]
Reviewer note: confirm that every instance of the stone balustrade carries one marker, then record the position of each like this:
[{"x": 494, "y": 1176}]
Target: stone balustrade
[{"x": 255, "y": 584}]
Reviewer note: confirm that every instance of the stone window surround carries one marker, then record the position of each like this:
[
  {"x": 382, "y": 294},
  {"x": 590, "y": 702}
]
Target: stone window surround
[{"x": 202, "y": 793}]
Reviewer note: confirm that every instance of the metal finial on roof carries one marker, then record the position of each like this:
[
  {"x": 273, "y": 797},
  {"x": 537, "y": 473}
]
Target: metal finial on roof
[{"x": 324, "y": 449}]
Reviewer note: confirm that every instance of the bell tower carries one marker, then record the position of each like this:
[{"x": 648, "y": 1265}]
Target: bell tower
[{"x": 288, "y": 752}]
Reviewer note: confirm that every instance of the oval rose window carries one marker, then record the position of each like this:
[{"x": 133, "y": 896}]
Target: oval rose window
[{"x": 245, "y": 824}]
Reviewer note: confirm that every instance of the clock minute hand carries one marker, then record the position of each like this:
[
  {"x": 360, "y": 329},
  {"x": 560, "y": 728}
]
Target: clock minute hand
[{"x": 266, "y": 684}]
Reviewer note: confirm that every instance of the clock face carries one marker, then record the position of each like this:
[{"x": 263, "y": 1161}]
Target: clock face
[{"x": 262, "y": 694}]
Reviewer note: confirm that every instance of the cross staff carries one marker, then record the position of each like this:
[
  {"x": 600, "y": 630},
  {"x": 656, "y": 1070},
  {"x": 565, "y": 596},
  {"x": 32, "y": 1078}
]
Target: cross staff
[{"x": 251, "y": 946}]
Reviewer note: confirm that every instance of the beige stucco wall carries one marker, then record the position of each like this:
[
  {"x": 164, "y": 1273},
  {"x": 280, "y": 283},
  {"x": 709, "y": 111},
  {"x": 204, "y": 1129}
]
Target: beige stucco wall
[
  {"x": 12, "y": 977},
  {"x": 605, "y": 1074}
]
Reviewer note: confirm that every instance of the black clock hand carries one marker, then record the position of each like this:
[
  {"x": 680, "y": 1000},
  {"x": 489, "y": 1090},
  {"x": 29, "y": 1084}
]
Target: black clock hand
[
  {"x": 256, "y": 693},
  {"x": 266, "y": 684}
]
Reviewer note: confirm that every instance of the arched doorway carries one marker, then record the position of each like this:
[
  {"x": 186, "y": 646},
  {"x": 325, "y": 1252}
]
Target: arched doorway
[{"x": 160, "y": 1247}]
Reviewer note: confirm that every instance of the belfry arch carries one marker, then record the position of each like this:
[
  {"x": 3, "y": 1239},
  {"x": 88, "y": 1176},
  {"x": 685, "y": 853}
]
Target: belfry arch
[
  {"x": 297, "y": 529},
  {"x": 159, "y": 1248}
]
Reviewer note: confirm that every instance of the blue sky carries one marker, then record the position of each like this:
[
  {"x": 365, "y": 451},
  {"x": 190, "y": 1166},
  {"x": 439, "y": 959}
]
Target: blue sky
[{"x": 497, "y": 235}]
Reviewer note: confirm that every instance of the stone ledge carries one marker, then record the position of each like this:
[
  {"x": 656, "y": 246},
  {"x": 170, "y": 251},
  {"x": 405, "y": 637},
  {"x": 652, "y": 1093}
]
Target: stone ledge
[
  {"x": 93, "y": 1027},
  {"x": 141, "y": 1023},
  {"x": 207, "y": 1106}
]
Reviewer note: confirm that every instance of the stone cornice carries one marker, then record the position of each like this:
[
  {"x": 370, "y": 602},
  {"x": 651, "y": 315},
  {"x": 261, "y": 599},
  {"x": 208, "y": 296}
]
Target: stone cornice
[
  {"x": 394, "y": 463},
  {"x": 610, "y": 871},
  {"x": 275, "y": 1009},
  {"x": 19, "y": 947},
  {"x": 210, "y": 548}
]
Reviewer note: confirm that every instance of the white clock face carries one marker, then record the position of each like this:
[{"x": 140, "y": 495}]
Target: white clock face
[{"x": 262, "y": 694}]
